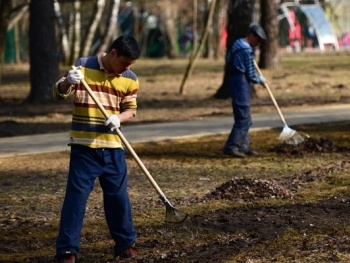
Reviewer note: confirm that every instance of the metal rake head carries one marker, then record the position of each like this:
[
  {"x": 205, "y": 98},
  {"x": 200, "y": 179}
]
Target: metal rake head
[
  {"x": 297, "y": 138},
  {"x": 174, "y": 216},
  {"x": 286, "y": 133},
  {"x": 292, "y": 137}
]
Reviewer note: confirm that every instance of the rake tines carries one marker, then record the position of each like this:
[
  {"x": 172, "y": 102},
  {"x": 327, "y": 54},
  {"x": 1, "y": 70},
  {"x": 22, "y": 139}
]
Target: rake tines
[
  {"x": 297, "y": 138},
  {"x": 172, "y": 215},
  {"x": 290, "y": 136}
]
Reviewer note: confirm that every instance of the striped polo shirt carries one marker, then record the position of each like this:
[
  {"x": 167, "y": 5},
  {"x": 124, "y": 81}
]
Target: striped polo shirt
[{"x": 117, "y": 93}]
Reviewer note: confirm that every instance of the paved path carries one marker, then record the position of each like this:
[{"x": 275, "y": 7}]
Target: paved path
[{"x": 54, "y": 142}]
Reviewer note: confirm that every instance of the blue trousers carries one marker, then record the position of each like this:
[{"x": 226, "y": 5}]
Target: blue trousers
[
  {"x": 238, "y": 138},
  {"x": 87, "y": 164}
]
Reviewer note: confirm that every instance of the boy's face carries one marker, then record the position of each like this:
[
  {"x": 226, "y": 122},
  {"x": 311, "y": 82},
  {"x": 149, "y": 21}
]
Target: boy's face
[{"x": 119, "y": 64}]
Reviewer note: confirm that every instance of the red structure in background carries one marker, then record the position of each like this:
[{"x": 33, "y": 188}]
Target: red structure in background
[
  {"x": 295, "y": 33},
  {"x": 223, "y": 30},
  {"x": 345, "y": 41}
]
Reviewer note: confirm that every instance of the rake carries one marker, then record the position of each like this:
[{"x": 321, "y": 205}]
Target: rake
[
  {"x": 172, "y": 215},
  {"x": 287, "y": 135}
]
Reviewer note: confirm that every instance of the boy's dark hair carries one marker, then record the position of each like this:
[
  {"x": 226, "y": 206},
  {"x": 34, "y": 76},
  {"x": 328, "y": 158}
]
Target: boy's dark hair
[{"x": 127, "y": 47}]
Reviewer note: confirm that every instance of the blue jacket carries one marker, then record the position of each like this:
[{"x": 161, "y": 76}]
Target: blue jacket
[{"x": 241, "y": 60}]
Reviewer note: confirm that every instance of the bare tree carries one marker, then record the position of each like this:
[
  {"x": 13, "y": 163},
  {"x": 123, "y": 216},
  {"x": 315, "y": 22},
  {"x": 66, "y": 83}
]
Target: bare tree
[
  {"x": 17, "y": 23},
  {"x": 269, "y": 56},
  {"x": 18, "y": 15},
  {"x": 167, "y": 15},
  {"x": 87, "y": 41},
  {"x": 112, "y": 27},
  {"x": 194, "y": 26},
  {"x": 240, "y": 15},
  {"x": 43, "y": 51},
  {"x": 5, "y": 12},
  {"x": 209, "y": 40},
  {"x": 9, "y": 16},
  {"x": 76, "y": 40},
  {"x": 193, "y": 58},
  {"x": 76, "y": 31},
  {"x": 64, "y": 43},
  {"x": 69, "y": 39}
]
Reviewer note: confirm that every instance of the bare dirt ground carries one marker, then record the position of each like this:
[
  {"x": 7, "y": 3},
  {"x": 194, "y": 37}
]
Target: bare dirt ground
[
  {"x": 289, "y": 204},
  {"x": 279, "y": 207}
]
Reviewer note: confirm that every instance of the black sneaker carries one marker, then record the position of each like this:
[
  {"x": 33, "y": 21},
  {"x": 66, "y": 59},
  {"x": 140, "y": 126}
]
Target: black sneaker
[
  {"x": 234, "y": 153},
  {"x": 127, "y": 253},
  {"x": 67, "y": 257}
]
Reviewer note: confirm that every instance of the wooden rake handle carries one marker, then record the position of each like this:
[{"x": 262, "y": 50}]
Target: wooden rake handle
[
  {"x": 271, "y": 95},
  {"x": 124, "y": 140}
]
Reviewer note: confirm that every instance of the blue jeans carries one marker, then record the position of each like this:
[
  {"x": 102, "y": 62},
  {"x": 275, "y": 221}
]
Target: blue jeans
[
  {"x": 238, "y": 138},
  {"x": 87, "y": 164}
]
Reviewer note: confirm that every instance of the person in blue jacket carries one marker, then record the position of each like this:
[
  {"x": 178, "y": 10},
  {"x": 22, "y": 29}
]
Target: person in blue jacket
[{"x": 240, "y": 59}]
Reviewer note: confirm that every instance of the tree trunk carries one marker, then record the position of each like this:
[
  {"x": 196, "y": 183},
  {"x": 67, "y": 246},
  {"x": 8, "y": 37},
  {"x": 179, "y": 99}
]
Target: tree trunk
[
  {"x": 20, "y": 12},
  {"x": 167, "y": 26},
  {"x": 216, "y": 29},
  {"x": 64, "y": 43},
  {"x": 269, "y": 57},
  {"x": 10, "y": 14},
  {"x": 193, "y": 58},
  {"x": 112, "y": 27},
  {"x": 207, "y": 45},
  {"x": 194, "y": 27},
  {"x": 76, "y": 32},
  {"x": 239, "y": 15},
  {"x": 87, "y": 42},
  {"x": 20, "y": 15},
  {"x": 43, "y": 51},
  {"x": 5, "y": 7}
]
